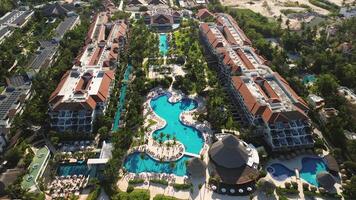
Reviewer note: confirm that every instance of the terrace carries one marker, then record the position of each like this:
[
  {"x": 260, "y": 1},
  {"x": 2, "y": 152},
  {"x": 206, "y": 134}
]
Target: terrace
[{"x": 36, "y": 169}]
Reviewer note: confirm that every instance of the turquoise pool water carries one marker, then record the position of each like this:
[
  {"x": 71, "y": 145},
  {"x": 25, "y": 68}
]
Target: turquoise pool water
[
  {"x": 122, "y": 97},
  {"x": 72, "y": 169},
  {"x": 163, "y": 44},
  {"x": 190, "y": 137},
  {"x": 134, "y": 163},
  {"x": 310, "y": 168}
]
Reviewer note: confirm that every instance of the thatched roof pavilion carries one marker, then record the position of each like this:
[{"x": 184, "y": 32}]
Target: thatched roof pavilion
[{"x": 231, "y": 160}]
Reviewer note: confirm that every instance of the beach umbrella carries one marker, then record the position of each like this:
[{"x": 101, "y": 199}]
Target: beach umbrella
[
  {"x": 249, "y": 189},
  {"x": 213, "y": 187},
  {"x": 232, "y": 191},
  {"x": 241, "y": 190},
  {"x": 223, "y": 190}
]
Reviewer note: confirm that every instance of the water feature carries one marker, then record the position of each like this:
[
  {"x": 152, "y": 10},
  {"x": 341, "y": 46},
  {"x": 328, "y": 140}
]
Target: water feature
[
  {"x": 122, "y": 97},
  {"x": 72, "y": 169},
  {"x": 310, "y": 168},
  {"x": 163, "y": 44},
  {"x": 138, "y": 163},
  {"x": 190, "y": 137}
]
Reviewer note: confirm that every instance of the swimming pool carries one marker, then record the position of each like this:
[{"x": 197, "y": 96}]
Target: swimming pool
[
  {"x": 280, "y": 172},
  {"x": 190, "y": 137},
  {"x": 72, "y": 169},
  {"x": 163, "y": 44},
  {"x": 134, "y": 163},
  {"x": 122, "y": 97},
  {"x": 311, "y": 166}
]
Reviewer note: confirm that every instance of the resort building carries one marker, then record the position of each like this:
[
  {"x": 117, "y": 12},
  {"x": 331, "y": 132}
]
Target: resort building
[
  {"x": 12, "y": 101},
  {"x": 265, "y": 99},
  {"x": 84, "y": 91},
  {"x": 36, "y": 169},
  {"x": 233, "y": 166},
  {"x": 15, "y": 19},
  {"x": 316, "y": 101},
  {"x": 162, "y": 18},
  {"x": 57, "y": 9}
]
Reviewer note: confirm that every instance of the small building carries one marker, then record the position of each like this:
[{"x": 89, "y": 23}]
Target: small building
[
  {"x": 204, "y": 14},
  {"x": 348, "y": 94},
  {"x": 36, "y": 170},
  {"x": 327, "y": 113},
  {"x": 315, "y": 101},
  {"x": 233, "y": 166}
]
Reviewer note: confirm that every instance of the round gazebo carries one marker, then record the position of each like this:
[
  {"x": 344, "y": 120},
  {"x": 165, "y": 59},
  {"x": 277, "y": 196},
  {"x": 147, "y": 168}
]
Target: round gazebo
[
  {"x": 326, "y": 180},
  {"x": 196, "y": 167},
  {"x": 233, "y": 166}
]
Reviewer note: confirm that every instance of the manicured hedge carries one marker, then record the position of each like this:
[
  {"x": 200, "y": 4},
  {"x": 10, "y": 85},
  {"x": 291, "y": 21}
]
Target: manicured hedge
[
  {"x": 136, "y": 181},
  {"x": 182, "y": 186},
  {"x": 159, "y": 181}
]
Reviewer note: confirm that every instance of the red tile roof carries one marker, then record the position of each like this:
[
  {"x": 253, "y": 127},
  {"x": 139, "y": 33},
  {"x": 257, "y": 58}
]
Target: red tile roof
[{"x": 204, "y": 13}]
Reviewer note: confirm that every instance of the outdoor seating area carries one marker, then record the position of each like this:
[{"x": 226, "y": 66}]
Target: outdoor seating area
[
  {"x": 76, "y": 146},
  {"x": 147, "y": 176},
  {"x": 65, "y": 186}
]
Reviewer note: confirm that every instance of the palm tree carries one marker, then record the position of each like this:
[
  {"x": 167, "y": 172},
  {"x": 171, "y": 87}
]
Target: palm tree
[
  {"x": 174, "y": 140},
  {"x": 172, "y": 165},
  {"x": 161, "y": 135},
  {"x": 168, "y": 136}
]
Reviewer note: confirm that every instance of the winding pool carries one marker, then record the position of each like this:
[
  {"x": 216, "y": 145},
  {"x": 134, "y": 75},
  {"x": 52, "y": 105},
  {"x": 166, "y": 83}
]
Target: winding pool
[
  {"x": 136, "y": 163},
  {"x": 190, "y": 137}
]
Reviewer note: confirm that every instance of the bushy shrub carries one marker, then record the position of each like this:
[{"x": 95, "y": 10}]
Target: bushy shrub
[
  {"x": 129, "y": 189},
  {"x": 162, "y": 197}
]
